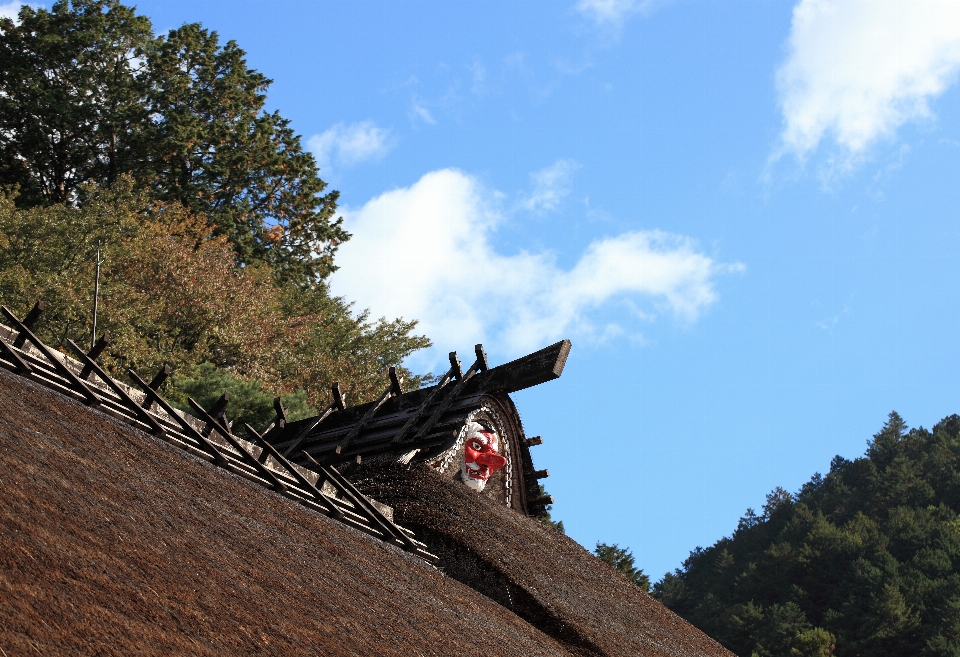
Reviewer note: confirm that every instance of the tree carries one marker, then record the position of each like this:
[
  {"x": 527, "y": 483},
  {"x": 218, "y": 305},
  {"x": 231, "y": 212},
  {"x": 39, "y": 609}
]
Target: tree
[
  {"x": 545, "y": 517},
  {"x": 73, "y": 98},
  {"x": 621, "y": 560},
  {"x": 323, "y": 330},
  {"x": 249, "y": 402},
  {"x": 48, "y": 253},
  {"x": 87, "y": 94},
  {"x": 219, "y": 259},
  {"x": 213, "y": 148}
]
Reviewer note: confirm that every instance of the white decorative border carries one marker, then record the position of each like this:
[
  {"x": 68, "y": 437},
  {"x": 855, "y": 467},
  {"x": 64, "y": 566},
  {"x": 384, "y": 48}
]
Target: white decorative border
[{"x": 450, "y": 453}]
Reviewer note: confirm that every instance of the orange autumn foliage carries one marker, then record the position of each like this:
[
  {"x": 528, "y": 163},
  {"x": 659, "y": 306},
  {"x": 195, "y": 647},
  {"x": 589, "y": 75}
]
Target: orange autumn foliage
[{"x": 171, "y": 292}]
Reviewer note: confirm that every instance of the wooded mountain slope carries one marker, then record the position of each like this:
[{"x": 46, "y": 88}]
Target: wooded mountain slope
[{"x": 862, "y": 562}]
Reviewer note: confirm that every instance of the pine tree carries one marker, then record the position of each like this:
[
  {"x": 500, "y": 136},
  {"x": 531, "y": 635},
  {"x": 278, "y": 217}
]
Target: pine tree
[{"x": 622, "y": 560}]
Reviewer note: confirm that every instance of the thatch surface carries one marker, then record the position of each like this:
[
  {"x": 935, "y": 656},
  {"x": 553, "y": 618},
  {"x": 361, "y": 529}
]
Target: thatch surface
[
  {"x": 534, "y": 570},
  {"x": 114, "y": 543}
]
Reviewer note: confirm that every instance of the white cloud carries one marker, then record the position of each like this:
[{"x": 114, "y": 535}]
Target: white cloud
[
  {"x": 857, "y": 71},
  {"x": 550, "y": 186},
  {"x": 11, "y": 10},
  {"x": 424, "y": 252},
  {"x": 350, "y": 144}
]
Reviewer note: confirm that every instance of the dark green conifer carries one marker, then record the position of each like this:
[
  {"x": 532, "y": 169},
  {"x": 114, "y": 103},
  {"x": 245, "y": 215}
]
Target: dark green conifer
[
  {"x": 864, "y": 561},
  {"x": 88, "y": 93},
  {"x": 622, "y": 560}
]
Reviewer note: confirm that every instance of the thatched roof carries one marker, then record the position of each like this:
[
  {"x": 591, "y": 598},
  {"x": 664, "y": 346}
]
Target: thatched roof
[
  {"x": 113, "y": 542},
  {"x": 533, "y": 569}
]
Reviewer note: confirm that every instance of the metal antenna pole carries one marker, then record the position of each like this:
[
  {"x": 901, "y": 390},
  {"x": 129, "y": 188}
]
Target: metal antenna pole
[{"x": 96, "y": 298}]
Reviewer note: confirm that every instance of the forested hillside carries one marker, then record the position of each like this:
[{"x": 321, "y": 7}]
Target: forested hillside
[
  {"x": 861, "y": 562},
  {"x": 215, "y": 232}
]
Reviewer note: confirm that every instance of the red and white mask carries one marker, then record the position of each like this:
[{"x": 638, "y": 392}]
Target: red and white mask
[{"x": 481, "y": 456}]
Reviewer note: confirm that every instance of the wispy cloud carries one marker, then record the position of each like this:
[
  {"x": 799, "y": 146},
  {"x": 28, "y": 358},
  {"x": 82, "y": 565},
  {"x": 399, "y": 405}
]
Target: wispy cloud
[
  {"x": 857, "y": 71},
  {"x": 479, "y": 74},
  {"x": 425, "y": 252},
  {"x": 347, "y": 145},
  {"x": 614, "y": 13},
  {"x": 607, "y": 12},
  {"x": 550, "y": 186},
  {"x": 418, "y": 111}
]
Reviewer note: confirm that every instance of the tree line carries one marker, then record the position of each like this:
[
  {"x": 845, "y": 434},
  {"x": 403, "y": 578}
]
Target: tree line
[
  {"x": 216, "y": 231},
  {"x": 862, "y": 561}
]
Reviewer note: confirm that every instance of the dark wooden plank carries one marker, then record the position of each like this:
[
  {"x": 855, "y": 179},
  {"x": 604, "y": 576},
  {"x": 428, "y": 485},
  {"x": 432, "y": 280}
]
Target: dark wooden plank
[
  {"x": 540, "y": 501},
  {"x": 326, "y": 453},
  {"x": 381, "y": 519},
  {"x": 436, "y": 444},
  {"x": 141, "y": 414},
  {"x": 382, "y": 424},
  {"x": 188, "y": 428},
  {"x": 19, "y": 364},
  {"x": 541, "y": 366},
  {"x": 224, "y": 431},
  {"x": 279, "y": 421},
  {"x": 56, "y": 375},
  {"x": 156, "y": 383},
  {"x": 94, "y": 353},
  {"x": 345, "y": 488},
  {"x": 310, "y": 427},
  {"x": 90, "y": 397},
  {"x": 455, "y": 370},
  {"x": 309, "y": 486},
  {"x": 29, "y": 321},
  {"x": 336, "y": 404},
  {"x": 531, "y": 370},
  {"x": 479, "y": 366},
  {"x": 392, "y": 391}
]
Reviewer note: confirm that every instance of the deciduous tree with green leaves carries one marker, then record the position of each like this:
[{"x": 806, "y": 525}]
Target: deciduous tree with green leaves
[{"x": 171, "y": 293}]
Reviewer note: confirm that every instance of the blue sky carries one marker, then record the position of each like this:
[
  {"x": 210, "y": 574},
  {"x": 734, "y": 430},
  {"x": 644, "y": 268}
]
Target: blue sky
[{"x": 743, "y": 214}]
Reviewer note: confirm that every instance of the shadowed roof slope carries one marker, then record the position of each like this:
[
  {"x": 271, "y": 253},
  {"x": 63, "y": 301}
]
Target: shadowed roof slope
[{"x": 534, "y": 570}]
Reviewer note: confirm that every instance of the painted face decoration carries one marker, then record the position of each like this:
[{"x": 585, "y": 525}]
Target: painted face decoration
[{"x": 481, "y": 456}]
